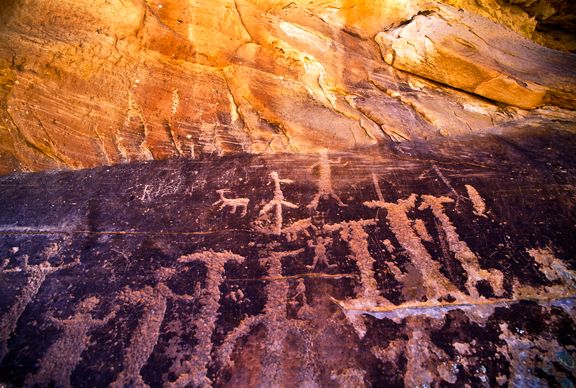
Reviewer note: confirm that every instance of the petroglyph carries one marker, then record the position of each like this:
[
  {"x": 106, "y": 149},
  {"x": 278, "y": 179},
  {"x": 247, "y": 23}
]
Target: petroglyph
[
  {"x": 320, "y": 256},
  {"x": 325, "y": 189},
  {"x": 147, "y": 194},
  {"x": 553, "y": 268},
  {"x": 146, "y": 335},
  {"x": 175, "y": 102},
  {"x": 388, "y": 245},
  {"x": 134, "y": 114},
  {"x": 4, "y": 267},
  {"x": 461, "y": 250},
  {"x": 194, "y": 370},
  {"x": 277, "y": 202},
  {"x": 173, "y": 109},
  {"x": 232, "y": 202},
  {"x": 273, "y": 318},
  {"x": 62, "y": 357},
  {"x": 477, "y": 201},
  {"x": 300, "y": 295},
  {"x": 435, "y": 283},
  {"x": 421, "y": 230},
  {"x": 377, "y": 187},
  {"x": 296, "y": 228},
  {"x": 357, "y": 239},
  {"x": 447, "y": 183},
  {"x": 36, "y": 276}
]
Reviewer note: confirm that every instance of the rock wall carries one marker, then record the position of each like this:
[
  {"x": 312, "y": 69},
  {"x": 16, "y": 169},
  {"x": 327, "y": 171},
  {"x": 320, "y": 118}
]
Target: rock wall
[
  {"x": 84, "y": 84},
  {"x": 447, "y": 262}
]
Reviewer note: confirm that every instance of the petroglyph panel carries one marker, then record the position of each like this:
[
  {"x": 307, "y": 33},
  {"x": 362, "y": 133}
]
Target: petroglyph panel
[{"x": 417, "y": 264}]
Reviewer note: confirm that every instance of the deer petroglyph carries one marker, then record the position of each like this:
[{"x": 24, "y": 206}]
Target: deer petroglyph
[{"x": 234, "y": 203}]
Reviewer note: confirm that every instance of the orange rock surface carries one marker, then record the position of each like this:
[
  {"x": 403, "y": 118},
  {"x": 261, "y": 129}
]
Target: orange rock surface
[{"x": 84, "y": 83}]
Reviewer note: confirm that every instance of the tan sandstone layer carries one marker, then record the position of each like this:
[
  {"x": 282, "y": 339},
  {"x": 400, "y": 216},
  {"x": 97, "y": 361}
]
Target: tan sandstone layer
[{"x": 85, "y": 83}]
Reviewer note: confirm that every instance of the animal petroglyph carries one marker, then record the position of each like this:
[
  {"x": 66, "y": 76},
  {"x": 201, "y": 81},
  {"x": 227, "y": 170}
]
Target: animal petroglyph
[
  {"x": 325, "y": 189},
  {"x": 146, "y": 335},
  {"x": 62, "y": 357},
  {"x": 277, "y": 202},
  {"x": 320, "y": 256},
  {"x": 36, "y": 276},
  {"x": 234, "y": 203},
  {"x": 194, "y": 370},
  {"x": 461, "y": 250},
  {"x": 477, "y": 201}
]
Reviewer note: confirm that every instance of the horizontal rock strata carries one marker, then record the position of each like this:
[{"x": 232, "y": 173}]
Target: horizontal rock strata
[{"x": 84, "y": 84}]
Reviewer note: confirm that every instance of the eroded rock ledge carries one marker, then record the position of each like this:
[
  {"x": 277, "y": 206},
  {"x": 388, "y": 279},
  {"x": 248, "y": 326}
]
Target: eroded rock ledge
[{"x": 84, "y": 84}]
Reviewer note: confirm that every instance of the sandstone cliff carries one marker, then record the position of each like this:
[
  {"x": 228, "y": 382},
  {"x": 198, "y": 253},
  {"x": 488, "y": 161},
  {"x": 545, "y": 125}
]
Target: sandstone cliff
[{"x": 103, "y": 82}]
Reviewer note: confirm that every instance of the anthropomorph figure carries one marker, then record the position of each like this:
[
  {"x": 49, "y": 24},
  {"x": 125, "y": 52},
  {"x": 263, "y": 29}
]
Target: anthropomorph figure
[
  {"x": 36, "y": 276},
  {"x": 320, "y": 256},
  {"x": 232, "y": 202},
  {"x": 146, "y": 334},
  {"x": 64, "y": 355},
  {"x": 325, "y": 189},
  {"x": 194, "y": 370},
  {"x": 277, "y": 202}
]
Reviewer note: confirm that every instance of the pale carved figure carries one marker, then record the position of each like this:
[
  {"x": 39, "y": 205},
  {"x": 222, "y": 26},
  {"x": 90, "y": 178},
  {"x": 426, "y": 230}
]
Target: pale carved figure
[
  {"x": 193, "y": 371},
  {"x": 145, "y": 337},
  {"x": 277, "y": 202},
  {"x": 320, "y": 256},
  {"x": 64, "y": 355},
  {"x": 36, "y": 276},
  {"x": 234, "y": 203},
  {"x": 325, "y": 189}
]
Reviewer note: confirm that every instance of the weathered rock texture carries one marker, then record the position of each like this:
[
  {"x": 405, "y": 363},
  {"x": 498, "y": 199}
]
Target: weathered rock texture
[
  {"x": 448, "y": 262},
  {"x": 359, "y": 193},
  {"x": 88, "y": 83}
]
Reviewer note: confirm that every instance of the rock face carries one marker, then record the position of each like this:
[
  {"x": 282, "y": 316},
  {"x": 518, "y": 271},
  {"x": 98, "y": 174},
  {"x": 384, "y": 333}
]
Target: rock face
[
  {"x": 448, "y": 262},
  {"x": 84, "y": 84},
  {"x": 469, "y": 53},
  {"x": 287, "y": 193}
]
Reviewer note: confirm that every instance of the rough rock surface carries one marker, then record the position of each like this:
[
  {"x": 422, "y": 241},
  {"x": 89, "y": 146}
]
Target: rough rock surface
[
  {"x": 89, "y": 83},
  {"x": 470, "y": 53},
  {"x": 357, "y": 193},
  {"x": 425, "y": 263}
]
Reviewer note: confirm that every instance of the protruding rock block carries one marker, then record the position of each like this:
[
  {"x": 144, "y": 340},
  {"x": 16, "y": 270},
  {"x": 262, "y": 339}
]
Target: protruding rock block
[{"x": 482, "y": 57}]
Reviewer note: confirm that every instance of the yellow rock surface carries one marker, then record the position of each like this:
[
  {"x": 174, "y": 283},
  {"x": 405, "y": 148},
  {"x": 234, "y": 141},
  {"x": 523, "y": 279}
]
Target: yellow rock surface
[{"x": 89, "y": 83}]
